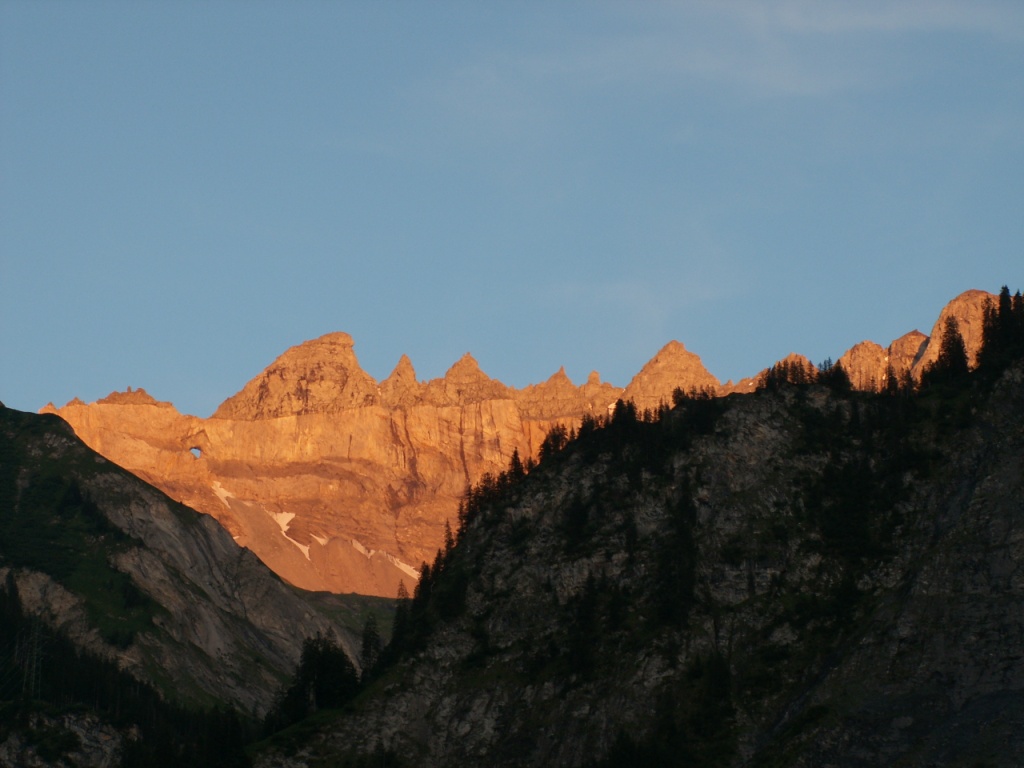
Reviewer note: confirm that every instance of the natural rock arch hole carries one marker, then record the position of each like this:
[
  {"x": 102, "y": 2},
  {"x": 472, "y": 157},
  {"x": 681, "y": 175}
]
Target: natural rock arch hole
[{"x": 196, "y": 452}]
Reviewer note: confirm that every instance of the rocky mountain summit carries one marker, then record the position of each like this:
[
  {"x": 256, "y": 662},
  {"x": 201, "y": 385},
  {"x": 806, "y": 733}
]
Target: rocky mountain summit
[
  {"x": 344, "y": 484},
  {"x": 320, "y": 376}
]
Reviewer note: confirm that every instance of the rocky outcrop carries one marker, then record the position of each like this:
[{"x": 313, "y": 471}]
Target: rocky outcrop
[
  {"x": 558, "y": 398},
  {"x": 464, "y": 384},
  {"x": 78, "y": 739},
  {"x": 130, "y": 397},
  {"x": 342, "y": 484},
  {"x": 867, "y": 364}
]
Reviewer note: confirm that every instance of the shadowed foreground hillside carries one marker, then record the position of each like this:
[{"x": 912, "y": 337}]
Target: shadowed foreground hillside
[
  {"x": 133, "y": 630},
  {"x": 803, "y": 576}
]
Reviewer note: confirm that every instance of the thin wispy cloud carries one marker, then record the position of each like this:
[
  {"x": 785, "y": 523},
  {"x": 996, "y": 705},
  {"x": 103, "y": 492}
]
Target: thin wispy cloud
[
  {"x": 648, "y": 301},
  {"x": 798, "y": 48},
  {"x": 998, "y": 19}
]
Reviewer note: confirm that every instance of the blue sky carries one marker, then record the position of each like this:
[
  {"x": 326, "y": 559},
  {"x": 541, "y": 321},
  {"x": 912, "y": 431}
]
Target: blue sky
[{"x": 189, "y": 188}]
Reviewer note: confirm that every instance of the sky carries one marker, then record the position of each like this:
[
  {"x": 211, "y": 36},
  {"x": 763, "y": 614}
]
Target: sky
[{"x": 187, "y": 189}]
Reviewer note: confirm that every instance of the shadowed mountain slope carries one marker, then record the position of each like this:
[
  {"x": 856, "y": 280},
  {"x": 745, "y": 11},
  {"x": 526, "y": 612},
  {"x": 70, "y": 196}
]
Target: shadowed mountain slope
[
  {"x": 134, "y": 577},
  {"x": 798, "y": 577}
]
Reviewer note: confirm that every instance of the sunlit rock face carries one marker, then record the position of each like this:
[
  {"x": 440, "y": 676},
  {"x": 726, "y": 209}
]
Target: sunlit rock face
[
  {"x": 337, "y": 482},
  {"x": 320, "y": 376},
  {"x": 869, "y": 365},
  {"x": 344, "y": 484},
  {"x": 968, "y": 309},
  {"x": 674, "y": 367}
]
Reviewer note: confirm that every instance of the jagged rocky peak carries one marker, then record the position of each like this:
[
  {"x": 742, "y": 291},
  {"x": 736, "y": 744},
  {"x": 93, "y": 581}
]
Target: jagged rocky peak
[
  {"x": 968, "y": 309},
  {"x": 400, "y": 388},
  {"x": 557, "y": 385},
  {"x": 465, "y": 383},
  {"x": 559, "y": 398},
  {"x": 130, "y": 397},
  {"x": 596, "y": 390},
  {"x": 551, "y": 398},
  {"x": 466, "y": 370},
  {"x": 403, "y": 371},
  {"x": 560, "y": 377},
  {"x": 318, "y": 376},
  {"x": 673, "y": 367}
]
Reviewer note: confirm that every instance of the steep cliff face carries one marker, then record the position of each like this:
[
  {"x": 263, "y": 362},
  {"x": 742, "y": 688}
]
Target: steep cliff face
[
  {"x": 342, "y": 484},
  {"x": 129, "y": 574},
  {"x": 798, "y": 577}
]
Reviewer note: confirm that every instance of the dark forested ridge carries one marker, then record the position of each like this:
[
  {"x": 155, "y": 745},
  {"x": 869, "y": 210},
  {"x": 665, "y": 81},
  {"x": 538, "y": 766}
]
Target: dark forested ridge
[
  {"x": 806, "y": 575},
  {"x": 43, "y": 674},
  {"x": 54, "y": 691}
]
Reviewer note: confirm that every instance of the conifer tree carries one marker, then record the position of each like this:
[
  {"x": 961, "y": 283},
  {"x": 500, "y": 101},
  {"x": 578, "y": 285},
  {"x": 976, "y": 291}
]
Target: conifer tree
[
  {"x": 951, "y": 364},
  {"x": 371, "y": 647}
]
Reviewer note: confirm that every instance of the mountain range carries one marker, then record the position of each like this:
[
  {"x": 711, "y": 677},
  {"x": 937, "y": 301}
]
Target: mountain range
[
  {"x": 341, "y": 483},
  {"x": 823, "y": 571},
  {"x": 808, "y": 575}
]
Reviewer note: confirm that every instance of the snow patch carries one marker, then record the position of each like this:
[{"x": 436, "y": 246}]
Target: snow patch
[
  {"x": 304, "y": 548},
  {"x": 361, "y": 549},
  {"x": 321, "y": 540},
  {"x": 222, "y": 493},
  {"x": 405, "y": 568},
  {"x": 282, "y": 519}
]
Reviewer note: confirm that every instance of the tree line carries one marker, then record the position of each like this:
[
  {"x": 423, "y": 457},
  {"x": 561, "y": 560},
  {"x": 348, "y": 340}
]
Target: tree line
[{"x": 41, "y": 669}]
